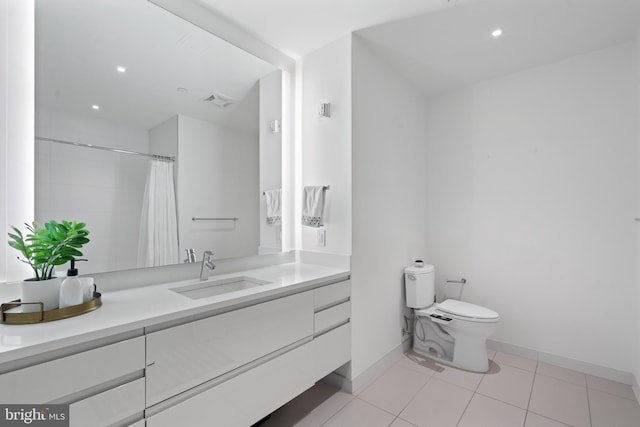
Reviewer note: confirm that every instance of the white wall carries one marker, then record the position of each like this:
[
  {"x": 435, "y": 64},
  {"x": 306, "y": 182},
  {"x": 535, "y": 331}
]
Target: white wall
[
  {"x": 16, "y": 126},
  {"x": 163, "y": 138},
  {"x": 637, "y": 354},
  {"x": 531, "y": 187},
  {"x": 4, "y": 88},
  {"x": 101, "y": 188},
  {"x": 270, "y": 156},
  {"x": 218, "y": 178},
  {"x": 326, "y": 142},
  {"x": 389, "y": 202}
]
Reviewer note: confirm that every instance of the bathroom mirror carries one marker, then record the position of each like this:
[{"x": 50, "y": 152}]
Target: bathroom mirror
[{"x": 127, "y": 75}]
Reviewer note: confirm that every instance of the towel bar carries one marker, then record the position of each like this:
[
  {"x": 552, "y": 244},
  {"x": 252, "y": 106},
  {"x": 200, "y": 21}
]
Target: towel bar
[
  {"x": 214, "y": 219},
  {"x": 324, "y": 187}
]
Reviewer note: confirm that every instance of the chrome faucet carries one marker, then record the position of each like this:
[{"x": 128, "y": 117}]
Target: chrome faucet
[{"x": 207, "y": 264}]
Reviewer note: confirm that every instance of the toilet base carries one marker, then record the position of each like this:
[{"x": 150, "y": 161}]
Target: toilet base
[
  {"x": 432, "y": 341},
  {"x": 433, "y": 355}
]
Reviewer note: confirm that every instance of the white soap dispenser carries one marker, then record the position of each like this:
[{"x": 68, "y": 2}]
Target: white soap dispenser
[{"x": 71, "y": 289}]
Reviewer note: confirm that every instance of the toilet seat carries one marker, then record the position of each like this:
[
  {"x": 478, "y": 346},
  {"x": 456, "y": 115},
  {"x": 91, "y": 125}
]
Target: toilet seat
[
  {"x": 465, "y": 311},
  {"x": 459, "y": 310}
]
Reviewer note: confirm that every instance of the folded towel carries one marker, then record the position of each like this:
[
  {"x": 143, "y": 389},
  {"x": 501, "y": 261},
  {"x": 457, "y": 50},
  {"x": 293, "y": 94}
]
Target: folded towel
[
  {"x": 273, "y": 200},
  {"x": 312, "y": 206}
]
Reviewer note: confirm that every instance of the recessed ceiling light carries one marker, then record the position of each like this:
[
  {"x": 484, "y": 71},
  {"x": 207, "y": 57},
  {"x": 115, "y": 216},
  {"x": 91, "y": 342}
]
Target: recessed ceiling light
[
  {"x": 497, "y": 32},
  {"x": 95, "y": 107},
  {"x": 120, "y": 69}
]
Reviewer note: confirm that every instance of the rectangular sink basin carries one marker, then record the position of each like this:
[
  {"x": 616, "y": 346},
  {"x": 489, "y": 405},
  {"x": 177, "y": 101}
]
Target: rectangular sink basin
[{"x": 218, "y": 287}]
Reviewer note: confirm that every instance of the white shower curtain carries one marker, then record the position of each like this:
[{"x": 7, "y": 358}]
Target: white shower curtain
[{"x": 158, "y": 239}]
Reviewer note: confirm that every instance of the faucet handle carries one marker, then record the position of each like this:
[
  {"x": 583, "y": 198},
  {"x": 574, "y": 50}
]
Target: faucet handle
[{"x": 191, "y": 256}]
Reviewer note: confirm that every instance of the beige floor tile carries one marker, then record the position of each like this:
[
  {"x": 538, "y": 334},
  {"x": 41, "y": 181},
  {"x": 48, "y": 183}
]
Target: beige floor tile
[
  {"x": 312, "y": 408},
  {"x": 360, "y": 413},
  {"x": 419, "y": 363},
  {"x": 394, "y": 389},
  {"x": 437, "y": 404},
  {"x": 611, "y": 387},
  {"x": 573, "y": 377},
  {"x": 486, "y": 412},
  {"x": 459, "y": 377},
  {"x": 560, "y": 401},
  {"x": 535, "y": 420},
  {"x": 608, "y": 410},
  {"x": 515, "y": 361},
  {"x": 509, "y": 385},
  {"x": 399, "y": 422}
]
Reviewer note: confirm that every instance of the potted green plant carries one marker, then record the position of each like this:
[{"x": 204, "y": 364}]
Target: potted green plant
[{"x": 44, "y": 248}]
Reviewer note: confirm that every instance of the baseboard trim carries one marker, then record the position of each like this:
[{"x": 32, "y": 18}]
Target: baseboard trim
[
  {"x": 564, "y": 362},
  {"x": 358, "y": 383}
]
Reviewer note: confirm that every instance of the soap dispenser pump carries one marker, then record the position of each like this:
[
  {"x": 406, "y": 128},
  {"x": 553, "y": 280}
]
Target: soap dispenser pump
[{"x": 71, "y": 290}]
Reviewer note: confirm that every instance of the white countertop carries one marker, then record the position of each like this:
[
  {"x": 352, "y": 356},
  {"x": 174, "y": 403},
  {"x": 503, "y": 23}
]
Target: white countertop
[{"x": 127, "y": 310}]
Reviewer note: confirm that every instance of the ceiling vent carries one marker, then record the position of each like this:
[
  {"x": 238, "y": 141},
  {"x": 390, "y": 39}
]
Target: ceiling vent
[{"x": 219, "y": 100}]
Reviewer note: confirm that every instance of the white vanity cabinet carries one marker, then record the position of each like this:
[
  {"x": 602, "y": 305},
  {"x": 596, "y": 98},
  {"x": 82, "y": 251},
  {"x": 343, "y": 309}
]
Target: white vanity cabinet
[
  {"x": 185, "y": 356},
  {"x": 250, "y": 361},
  {"x": 230, "y": 369},
  {"x": 104, "y": 385}
]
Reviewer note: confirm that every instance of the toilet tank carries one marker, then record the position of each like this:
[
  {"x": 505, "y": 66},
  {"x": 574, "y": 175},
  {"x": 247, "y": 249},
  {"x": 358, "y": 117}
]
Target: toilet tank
[{"x": 419, "y": 285}]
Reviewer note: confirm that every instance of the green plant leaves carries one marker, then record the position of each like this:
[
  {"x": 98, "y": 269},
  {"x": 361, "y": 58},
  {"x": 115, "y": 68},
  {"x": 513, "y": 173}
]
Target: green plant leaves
[{"x": 45, "y": 247}]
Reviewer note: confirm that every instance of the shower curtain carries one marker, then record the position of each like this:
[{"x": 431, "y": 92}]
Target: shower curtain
[{"x": 158, "y": 239}]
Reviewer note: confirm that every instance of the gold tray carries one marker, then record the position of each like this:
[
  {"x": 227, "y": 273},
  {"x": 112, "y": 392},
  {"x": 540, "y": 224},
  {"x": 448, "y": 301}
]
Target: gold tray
[{"x": 42, "y": 315}]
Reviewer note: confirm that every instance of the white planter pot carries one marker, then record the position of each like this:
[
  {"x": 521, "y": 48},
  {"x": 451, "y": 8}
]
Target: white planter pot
[{"x": 44, "y": 291}]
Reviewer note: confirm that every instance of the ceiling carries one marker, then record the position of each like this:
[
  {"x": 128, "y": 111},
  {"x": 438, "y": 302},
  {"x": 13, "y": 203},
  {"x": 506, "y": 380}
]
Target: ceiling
[
  {"x": 450, "y": 48},
  {"x": 441, "y": 44},
  {"x": 298, "y": 27},
  {"x": 436, "y": 44},
  {"x": 79, "y": 43}
]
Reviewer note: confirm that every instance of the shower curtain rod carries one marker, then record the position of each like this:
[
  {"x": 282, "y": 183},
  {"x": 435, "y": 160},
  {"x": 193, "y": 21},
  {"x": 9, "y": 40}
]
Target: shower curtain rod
[{"x": 114, "y": 150}]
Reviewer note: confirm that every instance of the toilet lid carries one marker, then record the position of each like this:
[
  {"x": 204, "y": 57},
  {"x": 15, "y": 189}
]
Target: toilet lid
[{"x": 464, "y": 309}]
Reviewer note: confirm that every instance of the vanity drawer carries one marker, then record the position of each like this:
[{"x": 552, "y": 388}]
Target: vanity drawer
[
  {"x": 331, "y": 294},
  {"x": 246, "y": 398},
  {"x": 185, "y": 356},
  {"x": 58, "y": 378},
  {"x": 107, "y": 408},
  {"x": 331, "y": 350},
  {"x": 330, "y": 317}
]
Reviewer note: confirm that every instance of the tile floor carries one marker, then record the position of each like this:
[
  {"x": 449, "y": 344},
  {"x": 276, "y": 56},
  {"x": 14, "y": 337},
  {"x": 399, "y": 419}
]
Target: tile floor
[{"x": 516, "y": 392}]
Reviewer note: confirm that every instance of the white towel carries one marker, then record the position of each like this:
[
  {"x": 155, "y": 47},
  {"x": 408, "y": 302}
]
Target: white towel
[
  {"x": 313, "y": 206},
  {"x": 273, "y": 200}
]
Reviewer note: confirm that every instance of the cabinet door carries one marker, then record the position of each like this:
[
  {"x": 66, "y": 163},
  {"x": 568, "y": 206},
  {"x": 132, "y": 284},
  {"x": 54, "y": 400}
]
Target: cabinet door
[
  {"x": 331, "y": 317},
  {"x": 327, "y": 296},
  {"x": 61, "y": 377},
  {"x": 331, "y": 350},
  {"x": 247, "y": 398},
  {"x": 185, "y": 356},
  {"x": 109, "y": 407}
]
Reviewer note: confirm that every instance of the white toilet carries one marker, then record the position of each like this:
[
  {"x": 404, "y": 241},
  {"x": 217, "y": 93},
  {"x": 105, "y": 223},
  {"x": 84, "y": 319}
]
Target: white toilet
[{"x": 453, "y": 332}]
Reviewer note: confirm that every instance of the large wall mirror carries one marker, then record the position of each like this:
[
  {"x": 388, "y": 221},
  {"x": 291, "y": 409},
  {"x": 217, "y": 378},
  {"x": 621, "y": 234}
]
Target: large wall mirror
[{"x": 134, "y": 103}]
